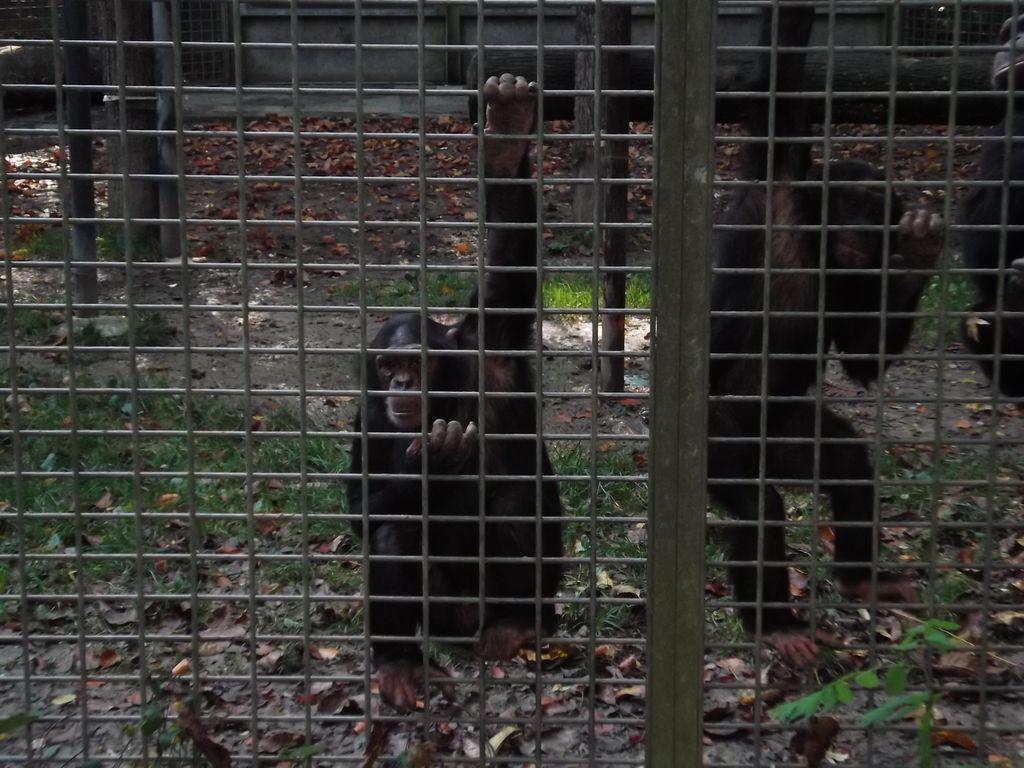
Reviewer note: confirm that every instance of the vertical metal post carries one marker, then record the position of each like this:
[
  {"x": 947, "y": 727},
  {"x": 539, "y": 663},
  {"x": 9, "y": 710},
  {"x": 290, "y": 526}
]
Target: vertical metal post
[
  {"x": 167, "y": 191},
  {"x": 453, "y": 36},
  {"x": 83, "y": 204},
  {"x": 684, "y": 123}
]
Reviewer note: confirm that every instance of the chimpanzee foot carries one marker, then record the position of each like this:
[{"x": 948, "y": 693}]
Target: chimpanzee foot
[
  {"x": 402, "y": 682},
  {"x": 920, "y": 239},
  {"x": 890, "y": 589},
  {"x": 499, "y": 642},
  {"x": 511, "y": 109}
]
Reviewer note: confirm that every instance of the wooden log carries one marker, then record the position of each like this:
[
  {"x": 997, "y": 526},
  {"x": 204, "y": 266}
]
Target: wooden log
[{"x": 919, "y": 85}]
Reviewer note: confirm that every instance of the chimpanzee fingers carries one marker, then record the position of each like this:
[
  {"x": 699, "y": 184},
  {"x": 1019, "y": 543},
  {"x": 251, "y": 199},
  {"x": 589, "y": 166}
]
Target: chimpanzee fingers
[
  {"x": 437, "y": 435},
  {"x": 508, "y": 87},
  {"x": 467, "y": 448},
  {"x": 1017, "y": 265},
  {"x": 499, "y": 87},
  {"x": 452, "y": 439},
  {"x": 415, "y": 448},
  {"x": 920, "y": 223},
  {"x": 491, "y": 88},
  {"x": 523, "y": 88},
  {"x": 400, "y": 684},
  {"x": 796, "y": 648},
  {"x": 906, "y": 222}
]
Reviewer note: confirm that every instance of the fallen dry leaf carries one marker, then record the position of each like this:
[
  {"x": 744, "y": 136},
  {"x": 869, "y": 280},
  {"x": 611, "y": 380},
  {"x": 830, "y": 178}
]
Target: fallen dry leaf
[
  {"x": 957, "y": 739},
  {"x": 323, "y": 653},
  {"x": 107, "y": 658},
  {"x": 963, "y": 664},
  {"x": 275, "y": 741},
  {"x": 494, "y": 743}
]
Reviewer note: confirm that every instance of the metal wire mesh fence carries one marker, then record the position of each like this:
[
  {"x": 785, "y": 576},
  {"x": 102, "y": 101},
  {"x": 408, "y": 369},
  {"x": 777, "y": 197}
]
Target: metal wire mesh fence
[
  {"x": 219, "y": 468},
  {"x": 935, "y": 24},
  {"x": 326, "y": 412},
  {"x": 863, "y": 241},
  {"x": 205, "y": 21}
]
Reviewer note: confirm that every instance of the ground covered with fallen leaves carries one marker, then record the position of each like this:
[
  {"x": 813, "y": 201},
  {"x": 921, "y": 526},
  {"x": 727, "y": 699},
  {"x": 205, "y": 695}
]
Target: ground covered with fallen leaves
[{"x": 199, "y": 513}]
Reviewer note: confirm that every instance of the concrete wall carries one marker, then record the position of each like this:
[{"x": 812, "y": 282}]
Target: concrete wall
[{"x": 458, "y": 26}]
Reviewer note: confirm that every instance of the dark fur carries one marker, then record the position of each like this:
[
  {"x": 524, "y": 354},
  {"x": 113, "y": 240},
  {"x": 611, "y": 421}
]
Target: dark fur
[
  {"x": 840, "y": 459},
  {"x": 984, "y": 206},
  {"x": 503, "y": 497}
]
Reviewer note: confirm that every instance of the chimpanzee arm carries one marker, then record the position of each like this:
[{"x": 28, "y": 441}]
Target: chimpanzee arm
[
  {"x": 791, "y": 115},
  {"x": 511, "y": 109}
]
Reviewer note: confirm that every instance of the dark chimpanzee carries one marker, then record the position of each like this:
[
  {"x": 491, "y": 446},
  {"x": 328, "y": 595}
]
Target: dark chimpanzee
[
  {"x": 793, "y": 356},
  {"x": 984, "y": 207},
  {"x": 395, "y": 515}
]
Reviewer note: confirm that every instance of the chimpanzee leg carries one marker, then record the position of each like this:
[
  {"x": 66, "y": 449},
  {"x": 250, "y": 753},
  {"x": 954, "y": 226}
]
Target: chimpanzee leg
[
  {"x": 389, "y": 578},
  {"x": 399, "y": 663},
  {"x": 739, "y": 460},
  {"x": 511, "y": 626},
  {"x": 841, "y": 459}
]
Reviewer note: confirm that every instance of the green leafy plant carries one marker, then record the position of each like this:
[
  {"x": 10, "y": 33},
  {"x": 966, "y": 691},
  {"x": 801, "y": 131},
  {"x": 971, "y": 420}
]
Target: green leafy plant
[
  {"x": 15, "y": 722},
  {"x": 933, "y": 635}
]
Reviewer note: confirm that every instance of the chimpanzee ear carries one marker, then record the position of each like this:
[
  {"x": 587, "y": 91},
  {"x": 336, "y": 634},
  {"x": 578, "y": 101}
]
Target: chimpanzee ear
[{"x": 453, "y": 333}]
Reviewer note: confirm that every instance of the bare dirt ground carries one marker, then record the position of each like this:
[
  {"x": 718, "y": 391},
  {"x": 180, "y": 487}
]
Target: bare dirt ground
[{"x": 573, "y": 718}]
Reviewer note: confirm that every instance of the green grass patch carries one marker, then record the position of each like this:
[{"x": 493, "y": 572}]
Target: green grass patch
[
  {"x": 31, "y": 326},
  {"x": 576, "y": 291},
  {"x": 561, "y": 291},
  {"x": 443, "y": 290},
  {"x": 53, "y": 243},
  {"x": 932, "y": 331},
  {"x": 116, "y": 516},
  {"x": 107, "y": 521},
  {"x": 588, "y": 533}
]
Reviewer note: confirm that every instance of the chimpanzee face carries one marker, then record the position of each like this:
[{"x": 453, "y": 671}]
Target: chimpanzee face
[{"x": 401, "y": 375}]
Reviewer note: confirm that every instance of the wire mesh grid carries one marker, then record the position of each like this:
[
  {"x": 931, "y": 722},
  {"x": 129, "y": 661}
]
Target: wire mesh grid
[
  {"x": 934, "y": 25},
  {"x": 205, "y": 21},
  {"x": 194, "y": 569},
  {"x": 861, "y": 302},
  {"x": 196, "y": 280}
]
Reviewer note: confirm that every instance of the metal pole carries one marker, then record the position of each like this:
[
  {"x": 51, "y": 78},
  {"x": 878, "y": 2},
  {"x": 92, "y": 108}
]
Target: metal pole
[
  {"x": 79, "y": 122},
  {"x": 684, "y": 124},
  {"x": 167, "y": 188}
]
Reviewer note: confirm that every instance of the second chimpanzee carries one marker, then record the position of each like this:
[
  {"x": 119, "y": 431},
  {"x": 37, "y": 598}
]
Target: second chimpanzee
[
  {"x": 462, "y": 490},
  {"x": 983, "y": 208},
  {"x": 857, "y": 276}
]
